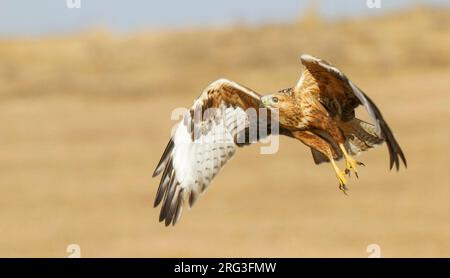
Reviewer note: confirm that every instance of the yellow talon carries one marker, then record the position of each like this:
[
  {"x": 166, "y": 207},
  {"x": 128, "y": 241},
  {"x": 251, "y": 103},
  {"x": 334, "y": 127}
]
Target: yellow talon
[
  {"x": 350, "y": 163},
  {"x": 341, "y": 177}
]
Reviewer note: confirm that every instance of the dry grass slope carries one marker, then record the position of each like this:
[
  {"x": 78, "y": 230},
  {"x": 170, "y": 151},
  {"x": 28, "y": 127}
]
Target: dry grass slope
[{"x": 86, "y": 117}]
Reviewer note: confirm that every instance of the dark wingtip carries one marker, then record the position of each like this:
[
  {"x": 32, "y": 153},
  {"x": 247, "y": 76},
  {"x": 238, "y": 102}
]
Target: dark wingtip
[
  {"x": 168, "y": 219},
  {"x": 393, "y": 147},
  {"x": 158, "y": 198},
  {"x": 163, "y": 212},
  {"x": 402, "y": 156},
  {"x": 164, "y": 183},
  {"x": 155, "y": 173},
  {"x": 160, "y": 167},
  {"x": 395, "y": 159},
  {"x": 162, "y": 216},
  {"x": 395, "y": 151}
]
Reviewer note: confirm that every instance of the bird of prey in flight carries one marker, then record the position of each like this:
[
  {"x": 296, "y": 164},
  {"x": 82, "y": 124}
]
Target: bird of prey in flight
[{"x": 319, "y": 111}]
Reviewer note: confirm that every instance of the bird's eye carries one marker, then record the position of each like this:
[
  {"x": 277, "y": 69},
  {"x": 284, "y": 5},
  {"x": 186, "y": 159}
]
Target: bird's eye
[{"x": 274, "y": 99}]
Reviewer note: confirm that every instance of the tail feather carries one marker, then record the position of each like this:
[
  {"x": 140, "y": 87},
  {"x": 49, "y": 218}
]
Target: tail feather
[{"x": 360, "y": 136}]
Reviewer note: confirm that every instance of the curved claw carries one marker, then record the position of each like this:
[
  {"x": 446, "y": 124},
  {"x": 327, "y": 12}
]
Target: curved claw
[
  {"x": 343, "y": 188},
  {"x": 351, "y": 165},
  {"x": 342, "y": 182},
  {"x": 350, "y": 162}
]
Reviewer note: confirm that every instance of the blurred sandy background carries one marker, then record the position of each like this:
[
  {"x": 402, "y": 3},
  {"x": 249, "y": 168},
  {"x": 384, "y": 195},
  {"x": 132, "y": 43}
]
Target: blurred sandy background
[{"x": 85, "y": 117}]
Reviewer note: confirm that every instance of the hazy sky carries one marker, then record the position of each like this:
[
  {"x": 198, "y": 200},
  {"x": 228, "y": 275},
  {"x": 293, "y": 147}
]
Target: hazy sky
[{"x": 37, "y": 17}]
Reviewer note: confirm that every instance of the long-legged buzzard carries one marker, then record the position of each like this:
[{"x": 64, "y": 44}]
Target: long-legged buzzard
[{"x": 319, "y": 111}]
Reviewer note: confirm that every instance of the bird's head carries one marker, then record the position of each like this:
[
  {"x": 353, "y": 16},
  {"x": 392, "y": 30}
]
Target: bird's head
[
  {"x": 278, "y": 101},
  {"x": 283, "y": 103}
]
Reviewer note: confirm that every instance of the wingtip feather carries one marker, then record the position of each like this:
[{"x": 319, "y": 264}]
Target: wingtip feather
[{"x": 163, "y": 161}]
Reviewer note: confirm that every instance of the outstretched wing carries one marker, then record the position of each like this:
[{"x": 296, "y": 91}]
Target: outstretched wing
[
  {"x": 340, "y": 97},
  {"x": 224, "y": 117}
]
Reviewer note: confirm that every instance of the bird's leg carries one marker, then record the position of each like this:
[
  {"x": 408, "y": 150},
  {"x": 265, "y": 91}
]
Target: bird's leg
[
  {"x": 349, "y": 161},
  {"x": 340, "y": 176},
  {"x": 318, "y": 143}
]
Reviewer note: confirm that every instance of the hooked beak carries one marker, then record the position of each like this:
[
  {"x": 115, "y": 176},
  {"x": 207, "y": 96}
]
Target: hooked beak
[{"x": 265, "y": 101}]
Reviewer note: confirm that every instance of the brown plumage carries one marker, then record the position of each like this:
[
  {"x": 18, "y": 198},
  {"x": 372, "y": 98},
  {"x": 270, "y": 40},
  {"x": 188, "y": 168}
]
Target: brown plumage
[
  {"x": 318, "y": 111},
  {"x": 338, "y": 98}
]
